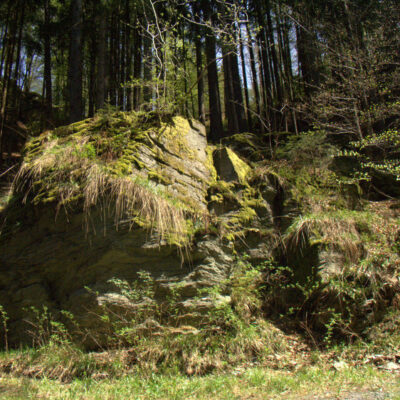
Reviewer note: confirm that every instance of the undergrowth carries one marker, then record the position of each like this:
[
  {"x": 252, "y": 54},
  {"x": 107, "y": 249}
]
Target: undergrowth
[
  {"x": 149, "y": 336},
  {"x": 334, "y": 277},
  {"x": 339, "y": 252}
]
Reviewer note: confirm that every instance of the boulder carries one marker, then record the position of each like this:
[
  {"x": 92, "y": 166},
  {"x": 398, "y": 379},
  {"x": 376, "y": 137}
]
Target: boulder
[{"x": 108, "y": 199}]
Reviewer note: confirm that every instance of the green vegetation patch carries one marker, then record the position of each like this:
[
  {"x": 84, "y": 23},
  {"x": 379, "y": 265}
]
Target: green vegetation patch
[
  {"x": 242, "y": 203},
  {"x": 256, "y": 382}
]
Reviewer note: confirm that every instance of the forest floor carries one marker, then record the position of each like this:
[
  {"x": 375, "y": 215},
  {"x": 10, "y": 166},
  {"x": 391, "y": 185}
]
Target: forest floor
[{"x": 318, "y": 382}]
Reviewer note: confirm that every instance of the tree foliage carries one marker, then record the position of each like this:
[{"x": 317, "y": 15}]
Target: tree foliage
[{"x": 237, "y": 65}]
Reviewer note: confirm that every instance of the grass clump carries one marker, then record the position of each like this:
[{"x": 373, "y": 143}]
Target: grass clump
[
  {"x": 339, "y": 275},
  {"x": 338, "y": 230}
]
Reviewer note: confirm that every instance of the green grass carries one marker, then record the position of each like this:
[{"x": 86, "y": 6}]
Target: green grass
[{"x": 251, "y": 383}]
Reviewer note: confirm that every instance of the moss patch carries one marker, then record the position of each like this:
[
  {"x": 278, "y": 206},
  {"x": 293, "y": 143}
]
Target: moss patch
[{"x": 239, "y": 203}]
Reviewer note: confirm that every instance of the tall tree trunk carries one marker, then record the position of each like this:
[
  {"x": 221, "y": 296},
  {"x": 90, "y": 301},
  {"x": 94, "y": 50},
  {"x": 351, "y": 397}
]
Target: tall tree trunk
[
  {"x": 101, "y": 81},
  {"x": 47, "y": 62},
  {"x": 265, "y": 85},
  {"x": 266, "y": 70},
  {"x": 253, "y": 70},
  {"x": 234, "y": 106},
  {"x": 287, "y": 61},
  {"x": 120, "y": 59},
  {"x": 287, "y": 54},
  {"x": 92, "y": 73},
  {"x": 147, "y": 71},
  {"x": 112, "y": 61},
  {"x": 9, "y": 59},
  {"x": 230, "y": 115},
  {"x": 276, "y": 65},
  {"x": 75, "y": 63},
  {"x": 199, "y": 64},
  {"x": 15, "y": 97},
  {"x": 28, "y": 74},
  {"x": 185, "y": 74},
  {"x": 137, "y": 69},
  {"x": 216, "y": 128},
  {"x": 308, "y": 50},
  {"x": 128, "y": 56},
  {"x": 237, "y": 92},
  {"x": 200, "y": 82},
  {"x": 244, "y": 74},
  {"x": 5, "y": 38}
]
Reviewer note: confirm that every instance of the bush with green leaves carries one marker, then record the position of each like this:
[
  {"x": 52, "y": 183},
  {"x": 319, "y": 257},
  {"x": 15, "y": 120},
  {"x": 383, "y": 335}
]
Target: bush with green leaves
[
  {"x": 309, "y": 147},
  {"x": 377, "y": 153}
]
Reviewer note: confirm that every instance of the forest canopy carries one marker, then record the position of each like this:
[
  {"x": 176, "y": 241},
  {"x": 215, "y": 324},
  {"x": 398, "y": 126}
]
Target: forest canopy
[{"x": 237, "y": 66}]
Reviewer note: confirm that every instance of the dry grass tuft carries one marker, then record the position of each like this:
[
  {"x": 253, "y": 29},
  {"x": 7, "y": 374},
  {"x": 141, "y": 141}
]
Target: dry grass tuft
[
  {"x": 132, "y": 198},
  {"x": 327, "y": 229}
]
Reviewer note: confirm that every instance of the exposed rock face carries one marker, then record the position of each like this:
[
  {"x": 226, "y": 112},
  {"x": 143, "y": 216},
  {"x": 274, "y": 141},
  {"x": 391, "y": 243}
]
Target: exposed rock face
[
  {"x": 229, "y": 166},
  {"x": 60, "y": 250}
]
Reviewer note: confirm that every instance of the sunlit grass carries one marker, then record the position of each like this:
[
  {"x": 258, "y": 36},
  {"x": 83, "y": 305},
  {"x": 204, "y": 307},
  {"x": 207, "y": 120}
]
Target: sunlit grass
[{"x": 254, "y": 383}]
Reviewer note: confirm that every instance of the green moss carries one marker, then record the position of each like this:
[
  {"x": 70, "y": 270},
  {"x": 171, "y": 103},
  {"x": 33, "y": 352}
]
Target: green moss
[
  {"x": 174, "y": 136},
  {"x": 241, "y": 168},
  {"x": 187, "y": 203},
  {"x": 210, "y": 163},
  {"x": 159, "y": 178},
  {"x": 244, "y": 216},
  {"x": 225, "y": 188},
  {"x": 217, "y": 198},
  {"x": 237, "y": 224},
  {"x": 174, "y": 162},
  {"x": 246, "y": 210}
]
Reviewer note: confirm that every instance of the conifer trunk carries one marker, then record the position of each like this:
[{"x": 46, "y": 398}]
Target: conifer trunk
[
  {"x": 75, "y": 63},
  {"x": 47, "y": 62}
]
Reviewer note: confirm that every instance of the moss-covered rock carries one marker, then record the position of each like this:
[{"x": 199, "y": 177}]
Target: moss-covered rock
[
  {"x": 106, "y": 198},
  {"x": 111, "y": 196},
  {"x": 229, "y": 166},
  {"x": 153, "y": 168}
]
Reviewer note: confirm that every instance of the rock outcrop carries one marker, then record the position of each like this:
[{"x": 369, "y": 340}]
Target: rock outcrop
[{"x": 109, "y": 197}]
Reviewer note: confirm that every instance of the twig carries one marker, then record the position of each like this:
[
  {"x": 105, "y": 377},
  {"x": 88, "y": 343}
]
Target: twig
[{"x": 8, "y": 170}]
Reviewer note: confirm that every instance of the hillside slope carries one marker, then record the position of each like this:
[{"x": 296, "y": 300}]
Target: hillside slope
[{"x": 130, "y": 222}]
